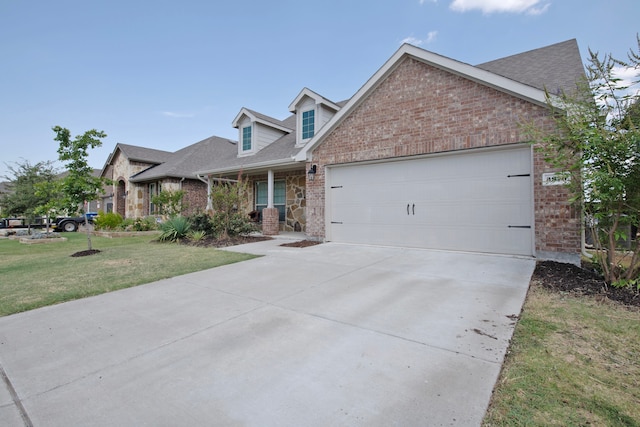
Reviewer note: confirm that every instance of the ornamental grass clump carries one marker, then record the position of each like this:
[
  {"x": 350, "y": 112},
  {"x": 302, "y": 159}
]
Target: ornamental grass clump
[{"x": 174, "y": 229}]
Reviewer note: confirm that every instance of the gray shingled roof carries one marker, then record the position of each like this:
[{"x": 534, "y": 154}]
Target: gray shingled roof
[
  {"x": 272, "y": 120},
  {"x": 142, "y": 154},
  {"x": 185, "y": 162},
  {"x": 283, "y": 148},
  {"x": 555, "y": 68}
]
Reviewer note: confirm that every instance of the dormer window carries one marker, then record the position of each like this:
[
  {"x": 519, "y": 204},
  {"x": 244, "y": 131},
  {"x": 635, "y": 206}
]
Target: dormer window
[
  {"x": 312, "y": 112},
  {"x": 308, "y": 124},
  {"x": 246, "y": 138}
]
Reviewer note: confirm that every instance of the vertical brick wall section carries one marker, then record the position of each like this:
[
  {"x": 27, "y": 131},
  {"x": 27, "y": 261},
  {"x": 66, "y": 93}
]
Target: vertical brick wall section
[
  {"x": 420, "y": 109},
  {"x": 270, "y": 221},
  {"x": 195, "y": 196}
]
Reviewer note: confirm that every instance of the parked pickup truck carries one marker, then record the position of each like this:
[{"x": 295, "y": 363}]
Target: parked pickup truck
[{"x": 61, "y": 223}]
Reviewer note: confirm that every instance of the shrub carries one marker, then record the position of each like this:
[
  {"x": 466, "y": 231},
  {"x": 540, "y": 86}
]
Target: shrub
[
  {"x": 227, "y": 199},
  {"x": 196, "y": 235},
  {"x": 202, "y": 222},
  {"x": 107, "y": 221},
  {"x": 144, "y": 224},
  {"x": 229, "y": 225},
  {"x": 174, "y": 229}
]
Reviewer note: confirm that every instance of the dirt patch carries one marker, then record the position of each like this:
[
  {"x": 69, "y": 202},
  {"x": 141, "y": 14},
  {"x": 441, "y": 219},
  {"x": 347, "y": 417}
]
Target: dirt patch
[
  {"x": 301, "y": 244},
  {"x": 569, "y": 278},
  {"x": 210, "y": 242},
  {"x": 86, "y": 253}
]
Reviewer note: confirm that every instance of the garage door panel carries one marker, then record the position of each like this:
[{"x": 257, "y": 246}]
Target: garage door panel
[{"x": 476, "y": 201}]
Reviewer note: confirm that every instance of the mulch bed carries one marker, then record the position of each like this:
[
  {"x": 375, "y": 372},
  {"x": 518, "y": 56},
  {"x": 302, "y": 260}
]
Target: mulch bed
[
  {"x": 210, "y": 242},
  {"x": 301, "y": 244},
  {"x": 569, "y": 278},
  {"x": 86, "y": 253}
]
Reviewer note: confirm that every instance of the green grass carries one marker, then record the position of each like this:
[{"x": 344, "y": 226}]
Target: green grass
[
  {"x": 573, "y": 361},
  {"x": 33, "y": 276}
]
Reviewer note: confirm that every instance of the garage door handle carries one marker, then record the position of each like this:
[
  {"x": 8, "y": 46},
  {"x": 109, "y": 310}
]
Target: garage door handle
[
  {"x": 407, "y": 208},
  {"x": 413, "y": 209}
]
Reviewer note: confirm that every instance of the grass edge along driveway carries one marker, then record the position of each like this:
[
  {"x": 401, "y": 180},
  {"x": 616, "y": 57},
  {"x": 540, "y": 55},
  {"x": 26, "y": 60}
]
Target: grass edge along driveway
[
  {"x": 33, "y": 276},
  {"x": 573, "y": 361}
]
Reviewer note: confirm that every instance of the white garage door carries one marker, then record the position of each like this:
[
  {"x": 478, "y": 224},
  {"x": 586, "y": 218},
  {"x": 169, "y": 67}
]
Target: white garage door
[{"x": 479, "y": 201}]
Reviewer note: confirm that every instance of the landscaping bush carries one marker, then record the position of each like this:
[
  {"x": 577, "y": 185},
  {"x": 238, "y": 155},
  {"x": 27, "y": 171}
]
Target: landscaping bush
[
  {"x": 174, "y": 229},
  {"x": 108, "y": 221},
  {"x": 229, "y": 225},
  {"x": 148, "y": 223},
  {"x": 196, "y": 235},
  {"x": 202, "y": 222}
]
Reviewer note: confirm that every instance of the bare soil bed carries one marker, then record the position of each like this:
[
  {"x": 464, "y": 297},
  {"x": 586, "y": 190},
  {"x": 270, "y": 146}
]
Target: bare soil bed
[{"x": 572, "y": 279}]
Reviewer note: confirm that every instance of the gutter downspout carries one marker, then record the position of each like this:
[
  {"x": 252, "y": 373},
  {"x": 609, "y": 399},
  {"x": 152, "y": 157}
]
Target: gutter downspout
[{"x": 208, "y": 182}]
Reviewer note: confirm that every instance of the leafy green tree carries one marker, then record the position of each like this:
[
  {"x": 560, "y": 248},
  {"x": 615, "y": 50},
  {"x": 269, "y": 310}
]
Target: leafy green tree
[
  {"x": 23, "y": 199},
  {"x": 79, "y": 185},
  {"x": 169, "y": 202},
  {"x": 597, "y": 141},
  {"x": 51, "y": 194},
  {"x": 227, "y": 200}
]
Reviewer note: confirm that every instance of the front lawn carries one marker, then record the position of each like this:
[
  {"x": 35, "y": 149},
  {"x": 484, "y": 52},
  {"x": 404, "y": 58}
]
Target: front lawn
[
  {"x": 33, "y": 276},
  {"x": 574, "y": 360}
]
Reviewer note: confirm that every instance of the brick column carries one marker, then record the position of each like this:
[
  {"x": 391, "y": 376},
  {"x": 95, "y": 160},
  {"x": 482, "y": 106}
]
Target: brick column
[{"x": 270, "y": 221}]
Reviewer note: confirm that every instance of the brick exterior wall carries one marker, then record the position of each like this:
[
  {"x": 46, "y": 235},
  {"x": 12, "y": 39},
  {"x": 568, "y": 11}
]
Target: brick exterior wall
[
  {"x": 195, "y": 196},
  {"x": 419, "y": 109},
  {"x": 270, "y": 223}
]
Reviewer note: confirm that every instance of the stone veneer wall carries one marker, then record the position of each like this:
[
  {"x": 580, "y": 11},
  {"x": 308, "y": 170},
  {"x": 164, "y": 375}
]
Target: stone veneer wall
[
  {"x": 420, "y": 109},
  {"x": 295, "y": 187}
]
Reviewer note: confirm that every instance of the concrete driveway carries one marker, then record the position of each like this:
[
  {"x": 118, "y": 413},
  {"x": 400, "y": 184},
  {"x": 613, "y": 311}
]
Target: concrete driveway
[{"x": 330, "y": 335}]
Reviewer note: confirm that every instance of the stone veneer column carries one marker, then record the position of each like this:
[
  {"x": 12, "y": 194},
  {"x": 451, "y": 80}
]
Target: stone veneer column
[{"x": 270, "y": 221}]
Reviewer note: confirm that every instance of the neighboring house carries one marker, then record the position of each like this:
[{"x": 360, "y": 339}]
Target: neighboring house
[
  {"x": 128, "y": 199},
  {"x": 429, "y": 153},
  {"x": 140, "y": 173}
]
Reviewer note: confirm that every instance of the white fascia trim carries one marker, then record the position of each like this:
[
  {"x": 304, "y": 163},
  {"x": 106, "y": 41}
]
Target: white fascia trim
[
  {"x": 244, "y": 112},
  {"x": 484, "y": 77},
  {"x": 319, "y": 99},
  {"x": 253, "y": 166}
]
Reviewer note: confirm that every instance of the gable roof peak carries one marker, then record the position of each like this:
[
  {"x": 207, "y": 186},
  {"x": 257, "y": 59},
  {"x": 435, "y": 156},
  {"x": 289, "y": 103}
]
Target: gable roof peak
[
  {"x": 254, "y": 116},
  {"x": 319, "y": 99}
]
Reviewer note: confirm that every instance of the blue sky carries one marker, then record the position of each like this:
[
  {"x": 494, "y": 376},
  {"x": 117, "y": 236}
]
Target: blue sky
[{"x": 166, "y": 74}]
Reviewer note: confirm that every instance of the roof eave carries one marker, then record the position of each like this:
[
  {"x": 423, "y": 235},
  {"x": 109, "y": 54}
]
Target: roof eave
[{"x": 250, "y": 167}]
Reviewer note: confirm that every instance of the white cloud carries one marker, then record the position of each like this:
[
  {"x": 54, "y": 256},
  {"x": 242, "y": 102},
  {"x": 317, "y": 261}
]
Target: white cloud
[
  {"x": 532, "y": 7},
  {"x": 178, "y": 115},
  {"x": 431, "y": 36},
  {"x": 538, "y": 10},
  {"x": 628, "y": 78},
  {"x": 431, "y": 1}
]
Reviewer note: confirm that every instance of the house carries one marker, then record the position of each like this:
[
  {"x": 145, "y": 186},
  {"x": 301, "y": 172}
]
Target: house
[
  {"x": 429, "y": 153},
  {"x": 124, "y": 162}
]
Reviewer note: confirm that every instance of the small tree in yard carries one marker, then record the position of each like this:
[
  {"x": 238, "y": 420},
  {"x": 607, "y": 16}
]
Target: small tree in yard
[
  {"x": 79, "y": 185},
  {"x": 597, "y": 142},
  {"x": 227, "y": 200},
  {"x": 169, "y": 202}
]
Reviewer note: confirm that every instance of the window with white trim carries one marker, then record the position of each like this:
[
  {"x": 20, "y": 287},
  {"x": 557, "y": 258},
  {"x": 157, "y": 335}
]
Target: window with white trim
[
  {"x": 308, "y": 124},
  {"x": 246, "y": 138},
  {"x": 154, "y": 189},
  {"x": 279, "y": 197}
]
